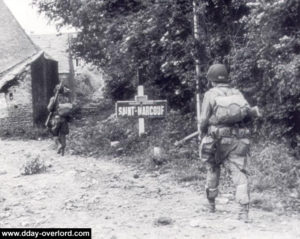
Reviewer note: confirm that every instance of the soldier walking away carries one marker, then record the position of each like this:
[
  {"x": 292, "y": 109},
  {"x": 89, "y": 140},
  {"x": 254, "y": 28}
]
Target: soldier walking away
[
  {"x": 59, "y": 112},
  {"x": 226, "y": 141}
]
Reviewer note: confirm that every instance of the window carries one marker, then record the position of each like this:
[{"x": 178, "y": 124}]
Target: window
[{"x": 11, "y": 96}]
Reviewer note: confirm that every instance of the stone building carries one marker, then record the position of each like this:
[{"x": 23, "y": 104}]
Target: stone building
[
  {"x": 82, "y": 78},
  {"x": 57, "y": 46},
  {"x": 27, "y": 76}
]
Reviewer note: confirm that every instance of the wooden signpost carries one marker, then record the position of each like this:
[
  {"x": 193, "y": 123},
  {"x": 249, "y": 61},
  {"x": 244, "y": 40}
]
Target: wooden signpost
[{"x": 141, "y": 108}]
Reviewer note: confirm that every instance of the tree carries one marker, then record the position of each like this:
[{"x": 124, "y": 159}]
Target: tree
[
  {"x": 121, "y": 36},
  {"x": 267, "y": 65}
]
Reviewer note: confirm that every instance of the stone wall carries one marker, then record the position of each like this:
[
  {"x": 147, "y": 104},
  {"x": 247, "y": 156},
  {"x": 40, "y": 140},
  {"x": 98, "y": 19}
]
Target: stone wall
[
  {"x": 19, "y": 103},
  {"x": 3, "y": 106},
  {"x": 21, "y": 123}
]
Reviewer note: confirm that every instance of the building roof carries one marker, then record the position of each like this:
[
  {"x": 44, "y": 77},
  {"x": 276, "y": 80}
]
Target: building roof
[
  {"x": 56, "y": 46},
  {"x": 10, "y": 75},
  {"x": 15, "y": 45}
]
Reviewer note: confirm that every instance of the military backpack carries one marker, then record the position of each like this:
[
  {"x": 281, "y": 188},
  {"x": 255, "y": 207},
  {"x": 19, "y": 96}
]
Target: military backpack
[{"x": 229, "y": 108}]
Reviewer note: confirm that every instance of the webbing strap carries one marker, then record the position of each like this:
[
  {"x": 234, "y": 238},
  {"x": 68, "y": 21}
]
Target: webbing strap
[{"x": 219, "y": 91}]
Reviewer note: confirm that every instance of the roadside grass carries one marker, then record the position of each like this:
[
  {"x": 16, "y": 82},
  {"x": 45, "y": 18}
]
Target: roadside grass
[
  {"x": 273, "y": 168},
  {"x": 275, "y": 177},
  {"x": 28, "y": 133}
]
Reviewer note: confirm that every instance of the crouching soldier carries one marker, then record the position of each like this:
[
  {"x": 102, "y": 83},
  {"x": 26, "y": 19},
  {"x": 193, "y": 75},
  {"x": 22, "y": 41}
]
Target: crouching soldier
[
  {"x": 226, "y": 141},
  {"x": 60, "y": 110}
]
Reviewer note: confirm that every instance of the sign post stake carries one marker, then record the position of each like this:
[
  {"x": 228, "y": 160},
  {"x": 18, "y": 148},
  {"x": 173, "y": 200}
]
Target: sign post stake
[
  {"x": 197, "y": 63},
  {"x": 141, "y": 120},
  {"x": 141, "y": 108}
]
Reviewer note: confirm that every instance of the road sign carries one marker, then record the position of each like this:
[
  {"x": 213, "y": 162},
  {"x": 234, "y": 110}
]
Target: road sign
[{"x": 142, "y": 109}]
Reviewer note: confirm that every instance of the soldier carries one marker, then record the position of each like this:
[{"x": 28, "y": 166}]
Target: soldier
[
  {"x": 59, "y": 122},
  {"x": 223, "y": 115}
]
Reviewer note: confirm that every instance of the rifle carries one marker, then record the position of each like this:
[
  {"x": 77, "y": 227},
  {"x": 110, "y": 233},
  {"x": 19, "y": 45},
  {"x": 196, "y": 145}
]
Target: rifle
[
  {"x": 254, "y": 111},
  {"x": 55, "y": 99},
  {"x": 187, "y": 138}
]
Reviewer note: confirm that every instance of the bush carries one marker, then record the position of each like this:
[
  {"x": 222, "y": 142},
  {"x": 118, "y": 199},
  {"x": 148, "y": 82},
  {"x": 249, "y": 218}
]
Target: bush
[
  {"x": 274, "y": 167},
  {"x": 94, "y": 135},
  {"x": 34, "y": 165}
]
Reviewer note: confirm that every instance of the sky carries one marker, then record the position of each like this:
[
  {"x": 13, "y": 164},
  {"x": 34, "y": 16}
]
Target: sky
[{"x": 29, "y": 18}]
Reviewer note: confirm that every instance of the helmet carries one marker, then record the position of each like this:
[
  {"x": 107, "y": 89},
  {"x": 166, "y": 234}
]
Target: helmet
[
  {"x": 218, "y": 73},
  {"x": 62, "y": 90}
]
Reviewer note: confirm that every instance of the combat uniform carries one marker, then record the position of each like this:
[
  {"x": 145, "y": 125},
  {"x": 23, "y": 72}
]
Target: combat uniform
[
  {"x": 58, "y": 125},
  {"x": 224, "y": 144}
]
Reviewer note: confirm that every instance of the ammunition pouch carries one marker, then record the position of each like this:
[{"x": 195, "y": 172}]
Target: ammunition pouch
[
  {"x": 223, "y": 131},
  {"x": 210, "y": 148}
]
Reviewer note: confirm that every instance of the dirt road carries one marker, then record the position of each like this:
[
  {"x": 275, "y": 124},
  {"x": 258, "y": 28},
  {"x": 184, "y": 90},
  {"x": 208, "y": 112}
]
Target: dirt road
[{"x": 118, "y": 201}]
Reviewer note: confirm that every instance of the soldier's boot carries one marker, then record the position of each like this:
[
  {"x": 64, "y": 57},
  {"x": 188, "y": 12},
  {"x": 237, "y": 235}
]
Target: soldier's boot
[
  {"x": 62, "y": 151},
  {"x": 211, "y": 195},
  {"x": 56, "y": 141},
  {"x": 212, "y": 205},
  {"x": 243, "y": 214},
  {"x": 59, "y": 150}
]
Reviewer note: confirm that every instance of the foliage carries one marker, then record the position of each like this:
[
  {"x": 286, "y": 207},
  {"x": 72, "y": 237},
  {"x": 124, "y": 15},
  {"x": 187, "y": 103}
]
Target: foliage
[
  {"x": 274, "y": 167},
  {"x": 154, "y": 37},
  {"x": 34, "y": 165},
  {"x": 266, "y": 66},
  {"x": 119, "y": 138},
  {"x": 85, "y": 136},
  {"x": 94, "y": 135},
  {"x": 257, "y": 39},
  {"x": 275, "y": 174}
]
